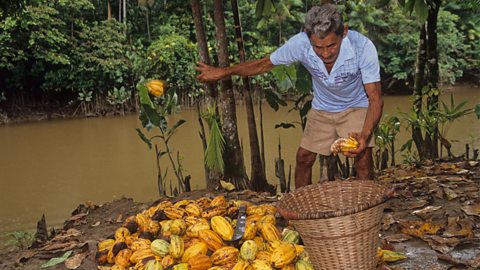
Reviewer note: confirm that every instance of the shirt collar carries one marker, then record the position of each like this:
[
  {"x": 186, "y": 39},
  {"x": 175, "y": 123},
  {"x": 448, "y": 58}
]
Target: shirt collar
[{"x": 346, "y": 52}]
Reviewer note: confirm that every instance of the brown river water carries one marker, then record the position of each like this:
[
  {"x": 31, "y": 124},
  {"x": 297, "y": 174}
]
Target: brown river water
[{"x": 50, "y": 167}]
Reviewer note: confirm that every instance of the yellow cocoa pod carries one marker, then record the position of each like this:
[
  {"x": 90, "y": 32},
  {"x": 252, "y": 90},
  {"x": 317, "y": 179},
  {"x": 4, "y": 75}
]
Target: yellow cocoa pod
[
  {"x": 211, "y": 238},
  {"x": 190, "y": 220},
  {"x": 121, "y": 233},
  {"x": 168, "y": 261},
  {"x": 300, "y": 250},
  {"x": 118, "y": 267},
  {"x": 190, "y": 241},
  {"x": 254, "y": 218},
  {"x": 289, "y": 267},
  {"x": 178, "y": 227},
  {"x": 181, "y": 266},
  {"x": 218, "y": 268},
  {"x": 101, "y": 257},
  {"x": 164, "y": 204},
  {"x": 156, "y": 87},
  {"x": 193, "y": 230},
  {"x": 221, "y": 226},
  {"x": 193, "y": 250},
  {"x": 131, "y": 224},
  {"x": 140, "y": 254},
  {"x": 153, "y": 265},
  {"x": 250, "y": 231},
  {"x": 140, "y": 243},
  {"x": 214, "y": 211},
  {"x": 193, "y": 209},
  {"x": 224, "y": 255},
  {"x": 255, "y": 210},
  {"x": 303, "y": 265},
  {"x": 218, "y": 201},
  {"x": 248, "y": 250},
  {"x": 291, "y": 236},
  {"x": 123, "y": 257},
  {"x": 261, "y": 265},
  {"x": 153, "y": 227},
  {"x": 173, "y": 212},
  {"x": 176, "y": 248},
  {"x": 283, "y": 255},
  {"x": 261, "y": 244},
  {"x": 264, "y": 256},
  {"x": 271, "y": 246},
  {"x": 267, "y": 219},
  {"x": 270, "y": 232},
  {"x": 203, "y": 202},
  {"x": 242, "y": 265},
  {"x": 182, "y": 203},
  {"x": 142, "y": 221},
  {"x": 106, "y": 245},
  {"x": 160, "y": 247},
  {"x": 269, "y": 209},
  {"x": 199, "y": 262}
]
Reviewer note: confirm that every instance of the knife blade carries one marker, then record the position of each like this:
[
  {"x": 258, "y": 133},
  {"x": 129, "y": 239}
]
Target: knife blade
[{"x": 241, "y": 221}]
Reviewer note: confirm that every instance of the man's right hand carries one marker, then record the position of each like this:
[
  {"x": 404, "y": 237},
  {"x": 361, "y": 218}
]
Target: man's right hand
[{"x": 209, "y": 73}]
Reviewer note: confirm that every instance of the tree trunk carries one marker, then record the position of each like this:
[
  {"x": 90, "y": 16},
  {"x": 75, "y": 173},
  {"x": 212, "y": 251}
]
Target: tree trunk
[
  {"x": 124, "y": 8},
  {"x": 233, "y": 157},
  {"x": 211, "y": 177},
  {"x": 109, "y": 11},
  {"x": 258, "y": 181},
  {"x": 148, "y": 23},
  {"x": 418, "y": 91},
  {"x": 433, "y": 70}
]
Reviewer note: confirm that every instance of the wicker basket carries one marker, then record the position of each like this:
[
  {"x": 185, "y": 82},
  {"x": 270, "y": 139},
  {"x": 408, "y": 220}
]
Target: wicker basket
[{"x": 339, "y": 222}]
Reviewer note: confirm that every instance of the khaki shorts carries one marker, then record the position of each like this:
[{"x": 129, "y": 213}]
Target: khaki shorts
[{"x": 323, "y": 128}]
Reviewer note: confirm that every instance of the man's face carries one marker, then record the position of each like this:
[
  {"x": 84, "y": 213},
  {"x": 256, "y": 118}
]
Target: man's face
[{"x": 327, "y": 48}]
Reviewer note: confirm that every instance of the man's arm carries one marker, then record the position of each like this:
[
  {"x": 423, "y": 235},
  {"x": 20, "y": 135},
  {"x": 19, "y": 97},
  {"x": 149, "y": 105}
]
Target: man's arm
[
  {"x": 375, "y": 108},
  {"x": 374, "y": 113},
  {"x": 249, "y": 68}
]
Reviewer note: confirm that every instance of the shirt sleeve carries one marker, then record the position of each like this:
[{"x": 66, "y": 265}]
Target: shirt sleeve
[
  {"x": 290, "y": 52},
  {"x": 369, "y": 66}
]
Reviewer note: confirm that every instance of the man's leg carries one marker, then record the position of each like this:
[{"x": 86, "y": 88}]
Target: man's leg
[
  {"x": 303, "y": 168},
  {"x": 364, "y": 165}
]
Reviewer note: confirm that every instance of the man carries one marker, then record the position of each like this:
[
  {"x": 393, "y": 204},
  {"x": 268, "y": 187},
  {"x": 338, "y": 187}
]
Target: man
[{"x": 347, "y": 95}]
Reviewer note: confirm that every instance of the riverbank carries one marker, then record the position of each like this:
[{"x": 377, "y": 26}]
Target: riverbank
[
  {"x": 28, "y": 113},
  {"x": 434, "y": 218}
]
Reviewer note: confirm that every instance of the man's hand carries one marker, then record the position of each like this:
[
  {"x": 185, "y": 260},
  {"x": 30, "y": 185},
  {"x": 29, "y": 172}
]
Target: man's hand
[
  {"x": 362, "y": 145},
  {"x": 209, "y": 73}
]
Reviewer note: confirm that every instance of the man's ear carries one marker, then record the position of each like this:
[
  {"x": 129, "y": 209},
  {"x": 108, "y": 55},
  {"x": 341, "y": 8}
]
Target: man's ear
[{"x": 345, "y": 30}]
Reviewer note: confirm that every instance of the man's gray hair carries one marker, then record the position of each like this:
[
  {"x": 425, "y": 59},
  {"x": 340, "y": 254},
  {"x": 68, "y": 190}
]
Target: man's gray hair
[{"x": 324, "y": 19}]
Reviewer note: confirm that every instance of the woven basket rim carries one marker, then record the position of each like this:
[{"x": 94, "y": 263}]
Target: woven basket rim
[{"x": 382, "y": 190}]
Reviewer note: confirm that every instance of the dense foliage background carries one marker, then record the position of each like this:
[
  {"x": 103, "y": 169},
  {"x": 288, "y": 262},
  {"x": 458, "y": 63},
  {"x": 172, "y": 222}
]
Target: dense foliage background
[{"x": 87, "y": 55}]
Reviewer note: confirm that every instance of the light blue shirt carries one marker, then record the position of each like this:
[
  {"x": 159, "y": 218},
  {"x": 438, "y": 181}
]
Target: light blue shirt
[{"x": 356, "y": 65}]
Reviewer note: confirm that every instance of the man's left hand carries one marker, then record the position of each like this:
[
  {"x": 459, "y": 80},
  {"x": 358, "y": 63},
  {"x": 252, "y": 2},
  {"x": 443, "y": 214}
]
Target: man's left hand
[{"x": 362, "y": 145}]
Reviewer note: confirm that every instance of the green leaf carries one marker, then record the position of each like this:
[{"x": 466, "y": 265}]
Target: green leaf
[
  {"x": 215, "y": 147},
  {"x": 259, "y": 8},
  {"x": 477, "y": 111},
  {"x": 144, "y": 138},
  {"x": 421, "y": 9},
  {"x": 57, "y": 260},
  {"x": 274, "y": 99},
  {"x": 409, "y": 5},
  {"x": 304, "y": 80},
  {"x": 149, "y": 117},
  {"x": 144, "y": 97}
]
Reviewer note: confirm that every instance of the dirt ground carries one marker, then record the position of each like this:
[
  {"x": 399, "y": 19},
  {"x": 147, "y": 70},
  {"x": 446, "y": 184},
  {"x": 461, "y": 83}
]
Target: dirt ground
[{"x": 445, "y": 195}]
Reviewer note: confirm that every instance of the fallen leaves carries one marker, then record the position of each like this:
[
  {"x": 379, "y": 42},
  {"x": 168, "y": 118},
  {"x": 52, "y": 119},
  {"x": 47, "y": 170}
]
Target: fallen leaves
[{"x": 438, "y": 203}]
